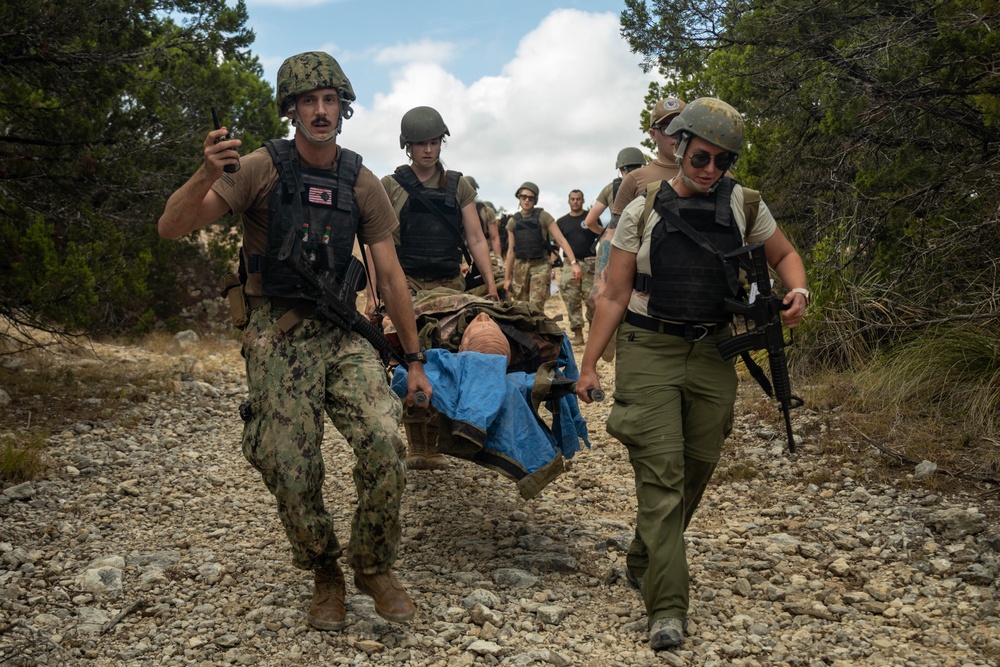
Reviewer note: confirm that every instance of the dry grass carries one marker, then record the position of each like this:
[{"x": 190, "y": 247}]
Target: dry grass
[{"x": 53, "y": 388}]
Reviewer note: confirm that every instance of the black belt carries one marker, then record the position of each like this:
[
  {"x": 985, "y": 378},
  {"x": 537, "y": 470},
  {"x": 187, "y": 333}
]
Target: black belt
[{"x": 689, "y": 331}]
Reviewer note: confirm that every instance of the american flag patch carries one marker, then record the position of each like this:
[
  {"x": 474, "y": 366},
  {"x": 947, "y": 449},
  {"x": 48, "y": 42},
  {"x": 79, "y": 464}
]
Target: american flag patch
[{"x": 320, "y": 196}]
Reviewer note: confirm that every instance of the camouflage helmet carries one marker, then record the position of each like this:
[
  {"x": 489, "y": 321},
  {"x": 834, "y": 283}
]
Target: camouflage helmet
[
  {"x": 630, "y": 156},
  {"x": 713, "y": 120},
  {"x": 421, "y": 124},
  {"x": 309, "y": 71},
  {"x": 527, "y": 185},
  {"x": 472, "y": 182}
]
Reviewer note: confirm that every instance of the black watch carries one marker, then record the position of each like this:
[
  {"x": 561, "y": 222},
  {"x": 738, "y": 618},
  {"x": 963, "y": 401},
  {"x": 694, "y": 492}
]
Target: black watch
[{"x": 420, "y": 356}]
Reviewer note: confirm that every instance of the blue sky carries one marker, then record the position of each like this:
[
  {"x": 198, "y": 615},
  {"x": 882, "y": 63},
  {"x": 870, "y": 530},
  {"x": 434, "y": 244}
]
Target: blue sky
[{"x": 539, "y": 91}]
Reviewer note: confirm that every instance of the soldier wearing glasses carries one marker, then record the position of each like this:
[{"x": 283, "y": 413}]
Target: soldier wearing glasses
[
  {"x": 528, "y": 269},
  {"x": 674, "y": 393}
]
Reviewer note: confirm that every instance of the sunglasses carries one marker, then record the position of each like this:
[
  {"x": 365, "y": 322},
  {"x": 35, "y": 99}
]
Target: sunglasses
[
  {"x": 528, "y": 197},
  {"x": 723, "y": 161}
]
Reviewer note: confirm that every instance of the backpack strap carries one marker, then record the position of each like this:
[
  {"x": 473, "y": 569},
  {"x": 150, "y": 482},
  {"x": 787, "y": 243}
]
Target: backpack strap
[
  {"x": 652, "y": 190},
  {"x": 751, "y": 204}
]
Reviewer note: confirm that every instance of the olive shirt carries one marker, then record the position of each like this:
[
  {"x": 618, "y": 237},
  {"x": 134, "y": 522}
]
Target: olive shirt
[
  {"x": 398, "y": 196},
  {"x": 635, "y": 182},
  {"x": 627, "y": 235},
  {"x": 604, "y": 196},
  {"x": 247, "y": 193}
]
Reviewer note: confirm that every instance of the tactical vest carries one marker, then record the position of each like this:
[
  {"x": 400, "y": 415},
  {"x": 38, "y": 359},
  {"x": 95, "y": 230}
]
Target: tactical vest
[
  {"x": 689, "y": 282},
  {"x": 480, "y": 207},
  {"x": 529, "y": 239},
  {"x": 615, "y": 184},
  {"x": 319, "y": 204},
  {"x": 429, "y": 245}
]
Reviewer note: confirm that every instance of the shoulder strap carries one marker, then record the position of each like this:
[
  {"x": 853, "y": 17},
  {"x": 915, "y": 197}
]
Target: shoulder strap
[
  {"x": 652, "y": 190},
  {"x": 751, "y": 205}
]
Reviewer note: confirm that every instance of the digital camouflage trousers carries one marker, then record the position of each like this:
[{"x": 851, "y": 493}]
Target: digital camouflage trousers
[{"x": 295, "y": 378}]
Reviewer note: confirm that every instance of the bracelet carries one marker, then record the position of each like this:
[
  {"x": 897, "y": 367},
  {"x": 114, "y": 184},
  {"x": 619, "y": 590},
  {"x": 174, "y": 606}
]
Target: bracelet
[{"x": 803, "y": 291}]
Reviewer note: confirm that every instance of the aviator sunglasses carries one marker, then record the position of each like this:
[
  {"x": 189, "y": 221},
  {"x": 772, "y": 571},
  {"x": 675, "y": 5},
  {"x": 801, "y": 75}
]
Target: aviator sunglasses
[{"x": 723, "y": 161}]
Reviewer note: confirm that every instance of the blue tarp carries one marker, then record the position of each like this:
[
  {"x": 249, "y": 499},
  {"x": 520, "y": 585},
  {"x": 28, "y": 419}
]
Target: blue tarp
[{"x": 474, "y": 390}]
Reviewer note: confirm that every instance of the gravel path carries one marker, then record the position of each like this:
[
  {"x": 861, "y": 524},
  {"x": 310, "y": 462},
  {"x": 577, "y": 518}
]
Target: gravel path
[{"x": 794, "y": 562}]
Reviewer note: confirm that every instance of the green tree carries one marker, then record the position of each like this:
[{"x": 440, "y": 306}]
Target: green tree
[
  {"x": 872, "y": 129},
  {"x": 104, "y": 105}
]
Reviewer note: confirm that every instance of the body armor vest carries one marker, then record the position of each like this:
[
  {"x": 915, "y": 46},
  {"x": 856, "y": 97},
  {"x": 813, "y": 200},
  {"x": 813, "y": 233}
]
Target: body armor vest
[
  {"x": 689, "y": 283},
  {"x": 615, "y": 184},
  {"x": 430, "y": 247},
  {"x": 319, "y": 203},
  {"x": 529, "y": 242}
]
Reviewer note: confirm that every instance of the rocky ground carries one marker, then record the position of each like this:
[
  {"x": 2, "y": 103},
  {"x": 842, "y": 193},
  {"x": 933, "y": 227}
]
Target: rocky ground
[{"x": 152, "y": 542}]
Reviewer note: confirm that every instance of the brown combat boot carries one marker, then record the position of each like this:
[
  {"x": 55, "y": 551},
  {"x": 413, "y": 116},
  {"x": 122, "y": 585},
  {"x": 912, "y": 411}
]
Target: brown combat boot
[
  {"x": 392, "y": 602},
  {"x": 326, "y": 611},
  {"x": 578, "y": 336},
  {"x": 421, "y": 448}
]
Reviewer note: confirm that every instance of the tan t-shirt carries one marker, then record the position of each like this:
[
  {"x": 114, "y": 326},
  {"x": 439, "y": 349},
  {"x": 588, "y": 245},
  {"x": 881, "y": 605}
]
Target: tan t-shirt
[
  {"x": 635, "y": 182},
  {"x": 627, "y": 235},
  {"x": 398, "y": 196},
  {"x": 247, "y": 192},
  {"x": 604, "y": 197}
]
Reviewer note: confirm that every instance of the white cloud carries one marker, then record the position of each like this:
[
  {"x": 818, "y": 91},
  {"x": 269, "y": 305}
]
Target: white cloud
[
  {"x": 557, "y": 114},
  {"x": 424, "y": 51}
]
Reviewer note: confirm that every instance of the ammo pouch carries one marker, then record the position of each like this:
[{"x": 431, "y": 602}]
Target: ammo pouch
[{"x": 232, "y": 289}]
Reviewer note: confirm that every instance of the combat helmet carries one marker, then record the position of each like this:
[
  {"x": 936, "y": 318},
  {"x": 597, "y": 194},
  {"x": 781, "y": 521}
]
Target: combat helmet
[
  {"x": 711, "y": 119},
  {"x": 309, "y": 71},
  {"x": 630, "y": 157},
  {"x": 421, "y": 124},
  {"x": 527, "y": 185},
  {"x": 473, "y": 182}
]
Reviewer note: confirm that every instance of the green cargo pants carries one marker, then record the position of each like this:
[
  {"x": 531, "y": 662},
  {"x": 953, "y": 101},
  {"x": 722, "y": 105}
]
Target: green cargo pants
[{"x": 673, "y": 410}]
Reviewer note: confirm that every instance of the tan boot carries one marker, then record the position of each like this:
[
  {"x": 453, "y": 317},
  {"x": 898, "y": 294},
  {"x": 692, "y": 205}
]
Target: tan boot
[
  {"x": 422, "y": 451},
  {"x": 326, "y": 611},
  {"x": 392, "y": 602},
  {"x": 578, "y": 336},
  {"x": 415, "y": 457},
  {"x": 435, "y": 460}
]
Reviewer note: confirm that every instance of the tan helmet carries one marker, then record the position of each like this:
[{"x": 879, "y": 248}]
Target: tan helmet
[
  {"x": 527, "y": 185},
  {"x": 483, "y": 335},
  {"x": 630, "y": 157},
  {"x": 309, "y": 71},
  {"x": 665, "y": 110},
  {"x": 711, "y": 119},
  {"x": 421, "y": 124}
]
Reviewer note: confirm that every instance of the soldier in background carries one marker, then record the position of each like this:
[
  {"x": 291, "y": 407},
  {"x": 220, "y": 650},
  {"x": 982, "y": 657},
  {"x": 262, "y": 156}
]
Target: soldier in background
[
  {"x": 628, "y": 160},
  {"x": 528, "y": 266},
  {"x": 662, "y": 168},
  {"x": 437, "y": 217},
  {"x": 574, "y": 291}
]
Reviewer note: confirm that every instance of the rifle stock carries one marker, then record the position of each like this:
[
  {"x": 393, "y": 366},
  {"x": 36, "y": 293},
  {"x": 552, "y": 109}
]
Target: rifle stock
[{"x": 766, "y": 334}]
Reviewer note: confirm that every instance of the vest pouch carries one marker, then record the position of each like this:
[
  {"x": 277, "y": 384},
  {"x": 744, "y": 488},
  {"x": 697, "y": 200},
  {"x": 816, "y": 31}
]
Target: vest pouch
[{"x": 239, "y": 310}]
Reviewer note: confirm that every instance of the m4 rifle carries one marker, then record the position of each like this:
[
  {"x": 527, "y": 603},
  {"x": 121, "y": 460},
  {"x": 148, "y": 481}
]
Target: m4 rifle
[
  {"x": 764, "y": 332},
  {"x": 337, "y": 298}
]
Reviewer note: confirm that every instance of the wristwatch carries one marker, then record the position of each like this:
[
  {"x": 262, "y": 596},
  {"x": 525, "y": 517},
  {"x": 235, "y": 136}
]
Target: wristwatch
[
  {"x": 574, "y": 262},
  {"x": 420, "y": 356},
  {"x": 803, "y": 291}
]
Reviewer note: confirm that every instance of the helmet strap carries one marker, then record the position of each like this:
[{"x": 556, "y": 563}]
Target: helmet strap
[
  {"x": 300, "y": 127},
  {"x": 679, "y": 157}
]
